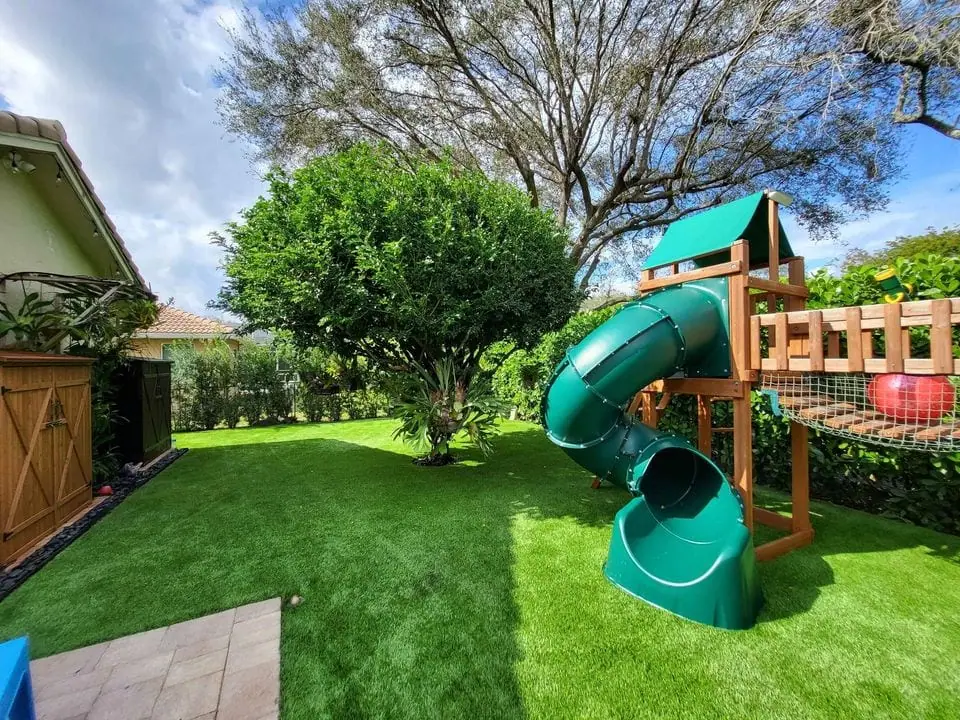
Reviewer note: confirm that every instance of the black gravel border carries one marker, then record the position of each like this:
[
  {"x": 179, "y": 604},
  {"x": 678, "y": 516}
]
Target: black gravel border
[{"x": 122, "y": 487}]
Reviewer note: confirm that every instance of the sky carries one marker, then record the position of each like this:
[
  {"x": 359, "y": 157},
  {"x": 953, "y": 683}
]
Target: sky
[{"x": 132, "y": 83}]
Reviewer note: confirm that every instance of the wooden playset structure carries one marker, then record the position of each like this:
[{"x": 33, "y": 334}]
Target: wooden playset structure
[{"x": 779, "y": 349}]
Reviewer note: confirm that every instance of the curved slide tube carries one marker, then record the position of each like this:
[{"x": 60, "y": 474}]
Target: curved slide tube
[{"x": 681, "y": 543}]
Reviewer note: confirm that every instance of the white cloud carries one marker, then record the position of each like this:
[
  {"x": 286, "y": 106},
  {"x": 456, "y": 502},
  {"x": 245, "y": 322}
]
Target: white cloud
[
  {"x": 932, "y": 202},
  {"x": 131, "y": 80},
  {"x": 132, "y": 84}
]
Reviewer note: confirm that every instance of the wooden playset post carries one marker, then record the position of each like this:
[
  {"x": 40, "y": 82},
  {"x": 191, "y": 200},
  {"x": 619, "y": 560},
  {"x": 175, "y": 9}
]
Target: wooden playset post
[
  {"x": 745, "y": 350},
  {"x": 739, "y": 290}
]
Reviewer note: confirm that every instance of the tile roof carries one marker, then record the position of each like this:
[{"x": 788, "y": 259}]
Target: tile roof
[
  {"x": 52, "y": 130},
  {"x": 174, "y": 321}
]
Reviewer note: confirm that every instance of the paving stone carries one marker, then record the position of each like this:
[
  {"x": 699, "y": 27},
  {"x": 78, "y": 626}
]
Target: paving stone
[
  {"x": 134, "y": 702},
  {"x": 176, "y": 673},
  {"x": 137, "y": 671},
  {"x": 242, "y": 657},
  {"x": 72, "y": 684},
  {"x": 204, "y": 647},
  {"x": 256, "y": 630},
  {"x": 189, "y": 699},
  {"x": 250, "y": 694},
  {"x": 264, "y": 607},
  {"x": 132, "y": 647},
  {"x": 198, "y": 630},
  {"x": 65, "y": 665},
  {"x": 196, "y": 667},
  {"x": 67, "y": 706}
]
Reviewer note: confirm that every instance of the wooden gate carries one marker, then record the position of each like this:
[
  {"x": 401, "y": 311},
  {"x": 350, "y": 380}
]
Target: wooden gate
[
  {"x": 143, "y": 404},
  {"x": 156, "y": 408},
  {"x": 45, "y": 445}
]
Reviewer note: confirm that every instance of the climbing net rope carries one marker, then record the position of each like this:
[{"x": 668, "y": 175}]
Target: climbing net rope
[{"x": 914, "y": 412}]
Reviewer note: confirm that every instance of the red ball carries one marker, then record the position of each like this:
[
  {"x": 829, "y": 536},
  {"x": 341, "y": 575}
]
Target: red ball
[
  {"x": 105, "y": 490},
  {"x": 912, "y": 398}
]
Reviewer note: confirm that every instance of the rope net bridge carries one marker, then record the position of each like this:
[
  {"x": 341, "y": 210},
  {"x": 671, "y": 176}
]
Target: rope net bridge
[
  {"x": 904, "y": 411},
  {"x": 883, "y": 374}
]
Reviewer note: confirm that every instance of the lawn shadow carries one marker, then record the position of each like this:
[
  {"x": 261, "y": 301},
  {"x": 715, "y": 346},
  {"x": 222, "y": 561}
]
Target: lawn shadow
[
  {"x": 528, "y": 476},
  {"x": 405, "y": 571}
]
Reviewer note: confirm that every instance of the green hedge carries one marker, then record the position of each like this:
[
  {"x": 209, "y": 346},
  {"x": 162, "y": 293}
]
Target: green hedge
[{"x": 922, "y": 488}]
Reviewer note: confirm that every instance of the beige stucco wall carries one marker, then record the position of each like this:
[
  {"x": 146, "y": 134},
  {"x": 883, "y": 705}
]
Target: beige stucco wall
[
  {"x": 32, "y": 237},
  {"x": 152, "y": 347}
]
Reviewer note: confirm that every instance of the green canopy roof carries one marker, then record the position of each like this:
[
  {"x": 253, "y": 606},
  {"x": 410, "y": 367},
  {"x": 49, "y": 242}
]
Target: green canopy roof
[{"x": 703, "y": 237}]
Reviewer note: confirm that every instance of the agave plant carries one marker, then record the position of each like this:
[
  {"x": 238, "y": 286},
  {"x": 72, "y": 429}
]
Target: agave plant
[{"x": 436, "y": 404}]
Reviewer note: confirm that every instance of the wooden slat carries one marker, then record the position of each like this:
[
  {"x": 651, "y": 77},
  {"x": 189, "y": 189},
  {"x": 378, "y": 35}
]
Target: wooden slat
[
  {"x": 892, "y": 338},
  {"x": 941, "y": 337},
  {"x": 755, "y": 342},
  {"x": 866, "y": 342},
  {"x": 899, "y": 431},
  {"x": 816, "y": 341},
  {"x": 782, "y": 343},
  {"x": 841, "y": 422},
  {"x": 905, "y": 343},
  {"x": 704, "y": 424},
  {"x": 854, "y": 348},
  {"x": 713, "y": 387},
  {"x": 940, "y": 431},
  {"x": 730, "y": 268},
  {"x": 833, "y": 345},
  {"x": 869, "y": 426},
  {"x": 825, "y": 411},
  {"x": 781, "y": 546},
  {"x": 803, "y": 401},
  {"x": 777, "y": 288}
]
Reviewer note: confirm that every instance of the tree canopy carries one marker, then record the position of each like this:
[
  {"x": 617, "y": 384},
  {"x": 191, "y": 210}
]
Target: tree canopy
[
  {"x": 918, "y": 45},
  {"x": 621, "y": 116},
  {"x": 405, "y": 266}
]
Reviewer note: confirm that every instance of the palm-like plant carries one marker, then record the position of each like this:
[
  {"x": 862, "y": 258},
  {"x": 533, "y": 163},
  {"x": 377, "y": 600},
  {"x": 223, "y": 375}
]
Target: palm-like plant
[{"x": 437, "y": 404}]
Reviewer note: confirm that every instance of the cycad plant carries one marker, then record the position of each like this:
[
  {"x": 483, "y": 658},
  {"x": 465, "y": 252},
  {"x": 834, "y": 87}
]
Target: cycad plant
[{"x": 436, "y": 404}]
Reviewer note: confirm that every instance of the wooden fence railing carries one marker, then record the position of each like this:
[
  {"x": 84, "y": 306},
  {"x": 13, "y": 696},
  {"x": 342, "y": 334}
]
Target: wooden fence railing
[{"x": 844, "y": 340}]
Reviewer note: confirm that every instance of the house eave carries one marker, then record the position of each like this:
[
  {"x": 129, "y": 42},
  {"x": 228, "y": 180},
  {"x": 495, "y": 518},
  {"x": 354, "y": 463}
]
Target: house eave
[{"x": 91, "y": 204}]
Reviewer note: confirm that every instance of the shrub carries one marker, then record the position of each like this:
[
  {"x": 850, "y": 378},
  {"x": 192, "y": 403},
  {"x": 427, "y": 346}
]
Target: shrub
[
  {"x": 437, "y": 405},
  {"x": 519, "y": 376},
  {"x": 404, "y": 263}
]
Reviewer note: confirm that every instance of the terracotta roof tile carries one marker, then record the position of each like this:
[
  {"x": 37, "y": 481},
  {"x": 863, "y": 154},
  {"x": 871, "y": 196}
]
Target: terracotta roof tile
[
  {"x": 175, "y": 321},
  {"x": 52, "y": 130}
]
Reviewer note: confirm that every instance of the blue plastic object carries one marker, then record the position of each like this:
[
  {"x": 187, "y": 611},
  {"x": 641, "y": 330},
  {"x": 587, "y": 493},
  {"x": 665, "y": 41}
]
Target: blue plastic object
[{"x": 16, "y": 692}]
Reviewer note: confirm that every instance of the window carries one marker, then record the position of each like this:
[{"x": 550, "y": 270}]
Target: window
[{"x": 166, "y": 351}]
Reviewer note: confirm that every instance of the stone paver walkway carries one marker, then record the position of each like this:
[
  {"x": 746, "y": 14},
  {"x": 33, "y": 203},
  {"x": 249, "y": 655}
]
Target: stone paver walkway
[{"x": 219, "y": 667}]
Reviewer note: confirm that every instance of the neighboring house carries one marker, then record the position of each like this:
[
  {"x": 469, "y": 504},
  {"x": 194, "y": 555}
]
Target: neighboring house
[
  {"x": 174, "y": 324},
  {"x": 51, "y": 220}
]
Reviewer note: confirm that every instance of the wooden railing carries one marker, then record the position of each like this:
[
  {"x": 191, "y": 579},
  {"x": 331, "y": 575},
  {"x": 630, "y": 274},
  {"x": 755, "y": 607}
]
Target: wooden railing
[{"x": 820, "y": 338}]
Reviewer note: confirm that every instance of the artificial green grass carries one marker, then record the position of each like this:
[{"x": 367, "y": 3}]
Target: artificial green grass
[{"x": 476, "y": 590}]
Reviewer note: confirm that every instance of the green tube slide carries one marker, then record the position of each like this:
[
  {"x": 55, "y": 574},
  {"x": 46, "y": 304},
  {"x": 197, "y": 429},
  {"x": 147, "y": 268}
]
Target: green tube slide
[{"x": 681, "y": 544}]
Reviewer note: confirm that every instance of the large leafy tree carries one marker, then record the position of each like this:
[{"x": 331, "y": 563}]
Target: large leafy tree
[
  {"x": 419, "y": 269},
  {"x": 916, "y": 44},
  {"x": 620, "y": 115}
]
